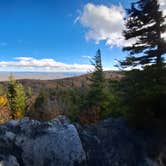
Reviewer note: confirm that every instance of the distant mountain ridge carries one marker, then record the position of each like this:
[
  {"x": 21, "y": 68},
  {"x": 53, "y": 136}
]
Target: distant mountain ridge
[
  {"x": 4, "y": 76},
  {"x": 51, "y": 82}
]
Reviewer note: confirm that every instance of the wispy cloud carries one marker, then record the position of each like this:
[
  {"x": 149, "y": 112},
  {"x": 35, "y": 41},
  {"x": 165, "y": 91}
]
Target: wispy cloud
[
  {"x": 76, "y": 19},
  {"x": 88, "y": 57},
  {"x": 32, "y": 64}
]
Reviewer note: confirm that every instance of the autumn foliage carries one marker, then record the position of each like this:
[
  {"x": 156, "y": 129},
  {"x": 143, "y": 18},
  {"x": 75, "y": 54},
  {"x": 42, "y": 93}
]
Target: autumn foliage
[
  {"x": 4, "y": 110},
  {"x": 90, "y": 115}
]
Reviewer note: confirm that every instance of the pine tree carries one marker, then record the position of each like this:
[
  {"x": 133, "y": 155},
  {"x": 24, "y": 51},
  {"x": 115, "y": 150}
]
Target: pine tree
[
  {"x": 11, "y": 92},
  {"x": 97, "y": 101},
  {"x": 16, "y": 97},
  {"x": 97, "y": 81},
  {"x": 146, "y": 23}
]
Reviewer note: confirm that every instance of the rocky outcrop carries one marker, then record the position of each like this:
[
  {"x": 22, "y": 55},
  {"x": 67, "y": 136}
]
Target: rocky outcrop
[
  {"x": 32, "y": 143},
  {"x": 60, "y": 143},
  {"x": 112, "y": 143}
]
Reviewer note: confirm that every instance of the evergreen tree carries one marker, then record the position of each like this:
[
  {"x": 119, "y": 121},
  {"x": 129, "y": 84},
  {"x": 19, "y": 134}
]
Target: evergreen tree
[
  {"x": 97, "y": 101},
  {"x": 16, "y": 97},
  {"x": 97, "y": 81},
  {"x": 146, "y": 23},
  {"x": 11, "y": 91},
  {"x": 143, "y": 91}
]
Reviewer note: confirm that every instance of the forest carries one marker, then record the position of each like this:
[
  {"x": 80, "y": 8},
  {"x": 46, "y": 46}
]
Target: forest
[{"x": 138, "y": 95}]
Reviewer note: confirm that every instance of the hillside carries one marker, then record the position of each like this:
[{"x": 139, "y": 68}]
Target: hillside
[{"x": 76, "y": 81}]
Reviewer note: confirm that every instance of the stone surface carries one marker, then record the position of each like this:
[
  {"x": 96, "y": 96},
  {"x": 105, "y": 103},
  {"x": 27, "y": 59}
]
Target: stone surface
[
  {"x": 42, "y": 144},
  {"x": 8, "y": 161},
  {"x": 112, "y": 143},
  {"x": 59, "y": 143}
]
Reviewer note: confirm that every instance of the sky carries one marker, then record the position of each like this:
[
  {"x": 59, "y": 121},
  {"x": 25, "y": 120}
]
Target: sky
[{"x": 61, "y": 35}]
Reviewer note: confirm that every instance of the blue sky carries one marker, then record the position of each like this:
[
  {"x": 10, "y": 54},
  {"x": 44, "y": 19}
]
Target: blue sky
[{"x": 52, "y": 35}]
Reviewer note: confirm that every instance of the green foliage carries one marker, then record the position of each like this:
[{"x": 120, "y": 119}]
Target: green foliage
[
  {"x": 70, "y": 100},
  {"x": 16, "y": 97},
  {"x": 41, "y": 100},
  {"x": 98, "y": 95},
  {"x": 96, "y": 89},
  {"x": 29, "y": 92},
  {"x": 142, "y": 93},
  {"x": 111, "y": 104},
  {"x": 1, "y": 90},
  {"x": 45, "y": 106},
  {"x": 143, "y": 96}
]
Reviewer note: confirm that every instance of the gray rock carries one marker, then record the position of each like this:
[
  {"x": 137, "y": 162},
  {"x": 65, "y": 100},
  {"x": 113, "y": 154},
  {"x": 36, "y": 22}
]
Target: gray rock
[
  {"x": 8, "y": 160},
  {"x": 35, "y": 143},
  {"x": 112, "y": 143},
  {"x": 150, "y": 162},
  {"x": 59, "y": 143}
]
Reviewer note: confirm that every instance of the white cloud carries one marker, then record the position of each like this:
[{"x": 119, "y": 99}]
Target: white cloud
[
  {"x": 107, "y": 23},
  {"x": 24, "y": 58},
  {"x": 32, "y": 64},
  {"x": 163, "y": 8},
  {"x": 104, "y": 23}
]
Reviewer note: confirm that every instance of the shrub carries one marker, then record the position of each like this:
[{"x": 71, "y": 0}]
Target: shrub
[
  {"x": 45, "y": 107},
  {"x": 90, "y": 115}
]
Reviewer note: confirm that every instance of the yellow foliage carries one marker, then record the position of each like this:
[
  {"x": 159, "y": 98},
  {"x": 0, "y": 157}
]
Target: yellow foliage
[
  {"x": 3, "y": 101},
  {"x": 18, "y": 114}
]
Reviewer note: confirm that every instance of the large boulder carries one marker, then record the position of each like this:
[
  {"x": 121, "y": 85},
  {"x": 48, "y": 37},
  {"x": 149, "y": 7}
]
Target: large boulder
[
  {"x": 112, "y": 143},
  {"x": 33, "y": 143}
]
